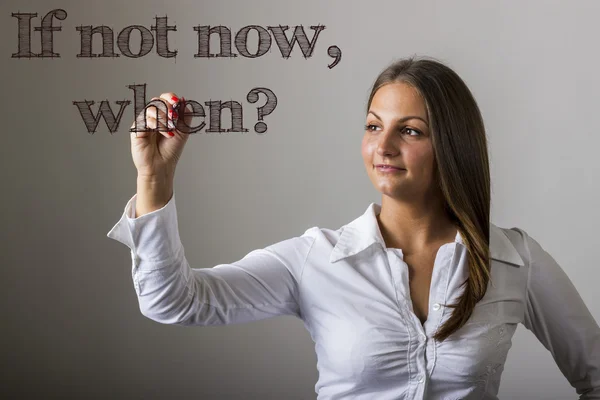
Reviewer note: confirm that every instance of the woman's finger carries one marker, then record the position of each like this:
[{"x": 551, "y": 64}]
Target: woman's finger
[
  {"x": 161, "y": 110},
  {"x": 156, "y": 113},
  {"x": 173, "y": 101},
  {"x": 151, "y": 127},
  {"x": 183, "y": 122}
]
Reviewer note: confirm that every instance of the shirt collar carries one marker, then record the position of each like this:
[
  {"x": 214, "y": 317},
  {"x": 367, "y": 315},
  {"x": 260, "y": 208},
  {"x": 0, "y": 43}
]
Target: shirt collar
[{"x": 364, "y": 232}]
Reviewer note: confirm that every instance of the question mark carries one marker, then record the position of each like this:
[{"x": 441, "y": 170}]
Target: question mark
[{"x": 266, "y": 109}]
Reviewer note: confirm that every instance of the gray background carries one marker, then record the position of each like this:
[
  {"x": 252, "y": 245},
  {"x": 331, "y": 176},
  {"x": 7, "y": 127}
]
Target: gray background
[{"x": 71, "y": 323}]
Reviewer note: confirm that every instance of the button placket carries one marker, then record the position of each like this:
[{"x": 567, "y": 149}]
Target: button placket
[{"x": 394, "y": 257}]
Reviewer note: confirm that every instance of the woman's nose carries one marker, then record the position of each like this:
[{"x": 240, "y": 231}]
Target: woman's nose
[{"x": 386, "y": 143}]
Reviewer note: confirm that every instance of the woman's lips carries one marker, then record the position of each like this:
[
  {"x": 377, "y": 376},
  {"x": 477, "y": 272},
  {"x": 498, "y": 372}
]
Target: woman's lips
[{"x": 389, "y": 169}]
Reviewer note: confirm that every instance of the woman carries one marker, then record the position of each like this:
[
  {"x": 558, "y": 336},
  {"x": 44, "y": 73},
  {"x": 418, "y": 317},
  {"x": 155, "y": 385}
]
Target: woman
[{"x": 419, "y": 297}]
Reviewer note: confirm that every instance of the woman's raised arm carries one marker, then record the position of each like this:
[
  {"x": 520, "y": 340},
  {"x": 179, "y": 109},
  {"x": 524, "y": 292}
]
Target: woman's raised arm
[{"x": 263, "y": 284}]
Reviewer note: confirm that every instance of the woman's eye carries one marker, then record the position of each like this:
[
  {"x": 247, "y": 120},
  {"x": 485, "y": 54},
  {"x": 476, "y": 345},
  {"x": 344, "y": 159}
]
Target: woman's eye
[
  {"x": 368, "y": 127},
  {"x": 414, "y": 130}
]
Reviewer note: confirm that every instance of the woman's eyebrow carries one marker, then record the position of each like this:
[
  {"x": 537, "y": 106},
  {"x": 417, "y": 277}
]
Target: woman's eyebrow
[{"x": 403, "y": 118}]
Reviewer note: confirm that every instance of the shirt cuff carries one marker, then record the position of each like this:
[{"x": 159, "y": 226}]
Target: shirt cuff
[{"x": 153, "y": 237}]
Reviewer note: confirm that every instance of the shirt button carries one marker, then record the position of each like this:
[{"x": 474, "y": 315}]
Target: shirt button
[
  {"x": 436, "y": 306},
  {"x": 420, "y": 380},
  {"x": 423, "y": 338}
]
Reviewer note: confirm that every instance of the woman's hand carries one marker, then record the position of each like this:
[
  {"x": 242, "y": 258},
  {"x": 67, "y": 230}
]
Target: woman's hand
[{"x": 156, "y": 153}]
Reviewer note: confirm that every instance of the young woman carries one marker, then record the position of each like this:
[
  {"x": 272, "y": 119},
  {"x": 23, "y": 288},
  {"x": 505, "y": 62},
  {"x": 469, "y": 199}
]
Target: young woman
[{"x": 418, "y": 297}]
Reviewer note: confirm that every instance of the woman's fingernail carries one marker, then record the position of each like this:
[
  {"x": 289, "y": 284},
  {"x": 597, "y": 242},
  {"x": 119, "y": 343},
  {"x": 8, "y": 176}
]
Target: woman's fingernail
[
  {"x": 174, "y": 99},
  {"x": 171, "y": 133}
]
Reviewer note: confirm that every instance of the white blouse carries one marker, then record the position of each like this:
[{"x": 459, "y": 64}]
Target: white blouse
[{"x": 353, "y": 296}]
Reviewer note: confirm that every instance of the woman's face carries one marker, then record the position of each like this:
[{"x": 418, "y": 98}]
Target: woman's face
[{"x": 395, "y": 135}]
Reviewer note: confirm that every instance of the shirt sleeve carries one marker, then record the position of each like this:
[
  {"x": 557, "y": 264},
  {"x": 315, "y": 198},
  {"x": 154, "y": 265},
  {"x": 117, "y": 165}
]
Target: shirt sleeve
[
  {"x": 263, "y": 284},
  {"x": 558, "y": 317}
]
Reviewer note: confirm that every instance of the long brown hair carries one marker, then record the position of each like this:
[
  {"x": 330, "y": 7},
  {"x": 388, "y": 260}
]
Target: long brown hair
[{"x": 462, "y": 166}]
